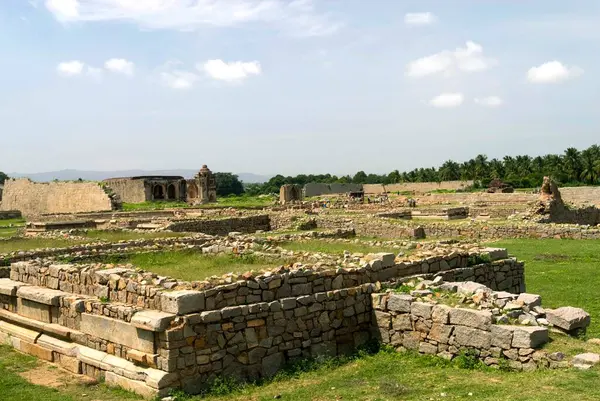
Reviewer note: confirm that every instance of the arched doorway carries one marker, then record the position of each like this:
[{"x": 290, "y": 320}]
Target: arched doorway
[
  {"x": 171, "y": 192},
  {"x": 192, "y": 191},
  {"x": 158, "y": 192}
]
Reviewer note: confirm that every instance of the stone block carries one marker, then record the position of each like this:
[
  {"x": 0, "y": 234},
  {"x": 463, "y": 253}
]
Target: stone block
[
  {"x": 568, "y": 318},
  {"x": 152, "y": 320},
  {"x": 118, "y": 332},
  {"x": 502, "y": 336},
  {"x": 135, "y": 386},
  {"x": 41, "y": 295},
  {"x": 585, "y": 361},
  {"x": 471, "y": 337},
  {"x": 427, "y": 348},
  {"x": 528, "y": 336},
  {"x": 440, "y": 314},
  {"x": 34, "y": 310},
  {"x": 421, "y": 309},
  {"x": 440, "y": 333},
  {"x": 9, "y": 287},
  {"x": 477, "y": 319},
  {"x": 69, "y": 363},
  {"x": 402, "y": 322},
  {"x": 272, "y": 363},
  {"x": 36, "y": 350},
  {"x": 19, "y": 332},
  {"x": 182, "y": 302},
  {"x": 530, "y": 300},
  {"x": 58, "y": 346},
  {"x": 399, "y": 303},
  {"x": 383, "y": 320}
]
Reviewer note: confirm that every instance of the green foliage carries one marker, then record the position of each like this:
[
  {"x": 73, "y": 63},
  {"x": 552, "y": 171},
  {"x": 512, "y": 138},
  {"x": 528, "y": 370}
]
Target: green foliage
[
  {"x": 468, "y": 360},
  {"x": 478, "y": 259},
  {"x": 3, "y": 177},
  {"x": 228, "y": 184}
]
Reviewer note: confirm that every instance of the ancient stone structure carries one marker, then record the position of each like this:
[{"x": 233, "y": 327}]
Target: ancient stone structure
[
  {"x": 34, "y": 198},
  {"x": 10, "y": 214},
  {"x": 290, "y": 193},
  {"x": 550, "y": 208},
  {"x": 329, "y": 189},
  {"x": 150, "y": 334},
  {"x": 149, "y": 188},
  {"x": 248, "y": 224},
  {"x": 203, "y": 187},
  {"x": 1, "y": 191}
]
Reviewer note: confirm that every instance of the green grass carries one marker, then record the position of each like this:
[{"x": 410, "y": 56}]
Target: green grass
[
  {"x": 563, "y": 272},
  {"x": 244, "y": 201},
  {"x": 334, "y": 248},
  {"x": 241, "y": 201},
  {"x": 194, "y": 266},
  {"x": 25, "y": 244},
  {"x": 13, "y": 387}
]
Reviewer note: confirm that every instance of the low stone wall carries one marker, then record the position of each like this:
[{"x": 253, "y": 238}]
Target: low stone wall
[
  {"x": 249, "y": 224},
  {"x": 441, "y": 330},
  {"x": 10, "y": 214},
  {"x": 389, "y": 228}
]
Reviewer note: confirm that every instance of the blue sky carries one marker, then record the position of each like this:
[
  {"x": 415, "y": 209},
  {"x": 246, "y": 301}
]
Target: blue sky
[{"x": 302, "y": 86}]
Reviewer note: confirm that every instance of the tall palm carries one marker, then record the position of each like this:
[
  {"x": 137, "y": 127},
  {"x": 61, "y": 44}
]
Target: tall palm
[{"x": 572, "y": 163}]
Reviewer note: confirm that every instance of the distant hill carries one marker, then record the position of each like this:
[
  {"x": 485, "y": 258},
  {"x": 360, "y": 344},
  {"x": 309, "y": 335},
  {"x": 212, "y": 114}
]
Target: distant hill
[{"x": 67, "y": 175}]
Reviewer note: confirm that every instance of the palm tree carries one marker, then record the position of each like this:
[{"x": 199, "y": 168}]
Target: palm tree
[
  {"x": 588, "y": 166},
  {"x": 450, "y": 171},
  {"x": 572, "y": 163}
]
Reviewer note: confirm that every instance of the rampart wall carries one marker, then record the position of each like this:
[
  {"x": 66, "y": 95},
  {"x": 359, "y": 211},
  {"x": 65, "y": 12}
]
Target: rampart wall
[
  {"x": 34, "y": 199},
  {"x": 130, "y": 191}
]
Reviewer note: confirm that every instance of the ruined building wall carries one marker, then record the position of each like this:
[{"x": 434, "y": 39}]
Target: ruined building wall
[
  {"x": 330, "y": 189},
  {"x": 130, "y": 191},
  {"x": 418, "y": 187},
  {"x": 33, "y": 198}
]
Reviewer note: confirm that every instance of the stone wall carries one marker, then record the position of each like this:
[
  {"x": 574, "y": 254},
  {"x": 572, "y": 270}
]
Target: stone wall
[
  {"x": 249, "y": 224},
  {"x": 581, "y": 195},
  {"x": 438, "y": 329},
  {"x": 10, "y": 214},
  {"x": 34, "y": 199},
  {"x": 130, "y": 191},
  {"x": 329, "y": 189},
  {"x": 417, "y": 187}
]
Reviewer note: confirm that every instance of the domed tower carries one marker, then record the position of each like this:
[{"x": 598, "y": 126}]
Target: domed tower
[{"x": 207, "y": 185}]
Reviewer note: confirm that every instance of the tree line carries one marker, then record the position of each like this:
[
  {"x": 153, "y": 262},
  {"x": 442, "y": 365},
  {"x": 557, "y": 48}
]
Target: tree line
[{"x": 571, "y": 168}]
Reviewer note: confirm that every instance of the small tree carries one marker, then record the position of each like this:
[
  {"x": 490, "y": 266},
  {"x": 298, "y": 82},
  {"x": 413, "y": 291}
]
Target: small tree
[{"x": 3, "y": 177}]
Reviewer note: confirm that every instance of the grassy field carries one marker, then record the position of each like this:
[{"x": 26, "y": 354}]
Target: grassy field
[
  {"x": 242, "y": 201},
  {"x": 194, "y": 266},
  {"x": 114, "y": 236},
  {"x": 563, "y": 272},
  {"x": 6, "y": 230}
]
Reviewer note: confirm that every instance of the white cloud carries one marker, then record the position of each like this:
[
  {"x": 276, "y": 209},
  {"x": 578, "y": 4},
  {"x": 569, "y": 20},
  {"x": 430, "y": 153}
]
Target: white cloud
[
  {"x": 70, "y": 68},
  {"x": 466, "y": 59},
  {"x": 178, "y": 79},
  {"x": 233, "y": 71},
  {"x": 420, "y": 18},
  {"x": 447, "y": 100},
  {"x": 298, "y": 17},
  {"x": 490, "y": 101},
  {"x": 552, "y": 72},
  {"x": 120, "y": 66}
]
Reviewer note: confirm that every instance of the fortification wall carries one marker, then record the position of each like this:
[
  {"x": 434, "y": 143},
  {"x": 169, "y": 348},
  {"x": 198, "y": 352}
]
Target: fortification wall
[
  {"x": 249, "y": 224},
  {"x": 317, "y": 189},
  {"x": 417, "y": 187},
  {"x": 130, "y": 191},
  {"x": 581, "y": 195},
  {"x": 34, "y": 199}
]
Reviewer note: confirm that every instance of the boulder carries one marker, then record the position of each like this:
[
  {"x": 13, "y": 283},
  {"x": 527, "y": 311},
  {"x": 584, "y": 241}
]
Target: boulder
[
  {"x": 568, "y": 318},
  {"x": 585, "y": 361}
]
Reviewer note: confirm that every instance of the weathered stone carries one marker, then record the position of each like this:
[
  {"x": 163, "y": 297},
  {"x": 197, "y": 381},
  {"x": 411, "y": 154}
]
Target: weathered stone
[
  {"x": 272, "y": 363},
  {"x": 399, "y": 303},
  {"x": 402, "y": 322},
  {"x": 440, "y": 333},
  {"x": 440, "y": 314},
  {"x": 182, "y": 302},
  {"x": 421, "y": 309},
  {"x": 471, "y": 318},
  {"x": 568, "y": 318},
  {"x": 530, "y": 300},
  {"x": 502, "y": 336},
  {"x": 152, "y": 320},
  {"x": 528, "y": 336},
  {"x": 9, "y": 287},
  {"x": 470, "y": 337},
  {"x": 585, "y": 361},
  {"x": 427, "y": 348},
  {"x": 118, "y": 332},
  {"x": 41, "y": 295}
]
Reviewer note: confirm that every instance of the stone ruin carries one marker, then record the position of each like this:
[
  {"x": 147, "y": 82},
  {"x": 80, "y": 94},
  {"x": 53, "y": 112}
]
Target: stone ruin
[
  {"x": 498, "y": 186},
  {"x": 290, "y": 193},
  {"x": 550, "y": 208}
]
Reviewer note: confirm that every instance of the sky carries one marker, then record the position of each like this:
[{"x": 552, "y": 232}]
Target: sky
[{"x": 293, "y": 86}]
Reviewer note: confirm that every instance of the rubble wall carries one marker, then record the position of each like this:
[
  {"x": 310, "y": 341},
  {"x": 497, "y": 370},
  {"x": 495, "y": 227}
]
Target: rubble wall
[
  {"x": 249, "y": 224},
  {"x": 130, "y": 191},
  {"x": 34, "y": 199}
]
